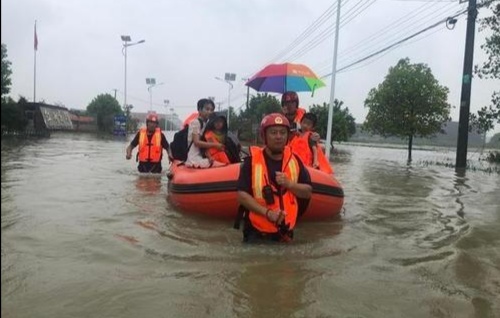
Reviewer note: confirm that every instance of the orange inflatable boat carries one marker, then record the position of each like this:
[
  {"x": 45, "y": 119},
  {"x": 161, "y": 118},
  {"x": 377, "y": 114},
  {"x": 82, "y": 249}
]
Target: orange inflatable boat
[{"x": 212, "y": 192}]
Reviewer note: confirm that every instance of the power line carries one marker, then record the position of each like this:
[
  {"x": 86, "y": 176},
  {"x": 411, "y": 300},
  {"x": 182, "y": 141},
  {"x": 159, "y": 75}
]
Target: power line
[
  {"x": 400, "y": 32},
  {"x": 313, "y": 27},
  {"x": 349, "y": 16},
  {"x": 389, "y": 38},
  {"x": 395, "y": 44}
]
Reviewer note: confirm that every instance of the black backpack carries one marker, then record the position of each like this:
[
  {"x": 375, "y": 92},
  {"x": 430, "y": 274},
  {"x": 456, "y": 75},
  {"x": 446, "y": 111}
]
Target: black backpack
[{"x": 179, "y": 146}]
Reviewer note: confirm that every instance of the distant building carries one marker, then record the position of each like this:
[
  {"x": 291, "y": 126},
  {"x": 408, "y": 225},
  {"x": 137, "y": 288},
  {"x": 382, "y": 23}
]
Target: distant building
[
  {"x": 42, "y": 116},
  {"x": 83, "y": 123},
  {"x": 171, "y": 119}
]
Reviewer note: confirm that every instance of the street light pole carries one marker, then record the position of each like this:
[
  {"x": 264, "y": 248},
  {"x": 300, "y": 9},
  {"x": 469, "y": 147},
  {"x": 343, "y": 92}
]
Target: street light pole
[
  {"x": 166, "y": 102},
  {"x": 126, "y": 39},
  {"x": 152, "y": 83},
  {"x": 228, "y": 78}
]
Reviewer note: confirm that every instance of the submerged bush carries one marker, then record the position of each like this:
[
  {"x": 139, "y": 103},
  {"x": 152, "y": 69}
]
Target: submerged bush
[{"x": 493, "y": 156}]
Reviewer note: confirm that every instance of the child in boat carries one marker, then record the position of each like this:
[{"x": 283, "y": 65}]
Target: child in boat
[
  {"x": 216, "y": 132},
  {"x": 307, "y": 148},
  {"x": 195, "y": 157}
]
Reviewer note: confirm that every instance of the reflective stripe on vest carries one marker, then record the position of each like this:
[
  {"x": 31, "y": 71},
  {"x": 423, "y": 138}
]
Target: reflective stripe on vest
[
  {"x": 150, "y": 152},
  {"x": 260, "y": 178}
]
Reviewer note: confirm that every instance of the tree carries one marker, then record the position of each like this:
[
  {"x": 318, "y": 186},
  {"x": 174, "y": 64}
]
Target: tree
[
  {"x": 343, "y": 126},
  {"x": 104, "y": 107},
  {"x": 485, "y": 118},
  {"x": 409, "y": 102},
  {"x": 258, "y": 106},
  {"x": 13, "y": 117},
  {"x": 6, "y": 72}
]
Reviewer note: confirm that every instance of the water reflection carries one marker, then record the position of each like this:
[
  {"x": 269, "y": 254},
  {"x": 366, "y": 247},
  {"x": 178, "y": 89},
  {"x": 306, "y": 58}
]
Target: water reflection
[
  {"x": 459, "y": 184},
  {"x": 149, "y": 184},
  {"x": 83, "y": 235},
  {"x": 272, "y": 289}
]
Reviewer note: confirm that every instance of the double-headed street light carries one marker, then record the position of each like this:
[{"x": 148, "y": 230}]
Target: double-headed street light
[
  {"x": 228, "y": 78},
  {"x": 151, "y": 83},
  {"x": 126, "y": 39}
]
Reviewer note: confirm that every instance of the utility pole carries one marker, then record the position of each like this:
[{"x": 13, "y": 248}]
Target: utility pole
[
  {"x": 115, "y": 91},
  {"x": 463, "y": 124},
  {"x": 332, "y": 89}
]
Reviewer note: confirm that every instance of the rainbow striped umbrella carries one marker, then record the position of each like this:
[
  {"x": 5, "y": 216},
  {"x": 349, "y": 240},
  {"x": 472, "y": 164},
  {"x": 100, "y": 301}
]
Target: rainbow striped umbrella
[{"x": 280, "y": 78}]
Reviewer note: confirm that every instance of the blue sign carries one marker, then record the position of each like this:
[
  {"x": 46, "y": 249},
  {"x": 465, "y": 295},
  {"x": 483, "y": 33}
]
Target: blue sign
[{"x": 120, "y": 126}]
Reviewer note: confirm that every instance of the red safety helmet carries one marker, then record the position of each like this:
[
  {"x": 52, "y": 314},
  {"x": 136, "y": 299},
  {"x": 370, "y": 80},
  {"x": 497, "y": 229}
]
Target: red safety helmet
[
  {"x": 274, "y": 119},
  {"x": 152, "y": 118},
  {"x": 289, "y": 96}
]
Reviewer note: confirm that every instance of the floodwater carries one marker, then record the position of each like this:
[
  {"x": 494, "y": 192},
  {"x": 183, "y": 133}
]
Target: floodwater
[{"x": 83, "y": 235}]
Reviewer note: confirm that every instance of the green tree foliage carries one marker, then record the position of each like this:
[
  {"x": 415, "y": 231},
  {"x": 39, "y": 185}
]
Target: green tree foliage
[
  {"x": 6, "y": 72},
  {"x": 343, "y": 126},
  {"x": 409, "y": 102},
  {"x": 13, "y": 114},
  {"x": 258, "y": 107},
  {"x": 486, "y": 117},
  {"x": 104, "y": 107}
]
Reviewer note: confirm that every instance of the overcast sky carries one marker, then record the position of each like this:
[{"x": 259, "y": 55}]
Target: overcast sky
[{"x": 190, "y": 42}]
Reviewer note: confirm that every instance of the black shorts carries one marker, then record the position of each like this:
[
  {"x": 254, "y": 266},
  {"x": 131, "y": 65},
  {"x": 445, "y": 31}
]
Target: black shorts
[{"x": 149, "y": 167}]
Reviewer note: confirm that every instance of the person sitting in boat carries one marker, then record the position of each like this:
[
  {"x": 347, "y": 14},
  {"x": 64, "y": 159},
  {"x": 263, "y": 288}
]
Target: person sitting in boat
[
  {"x": 151, "y": 142},
  {"x": 272, "y": 184},
  {"x": 216, "y": 132},
  {"x": 195, "y": 156},
  {"x": 308, "y": 149},
  {"x": 294, "y": 113}
]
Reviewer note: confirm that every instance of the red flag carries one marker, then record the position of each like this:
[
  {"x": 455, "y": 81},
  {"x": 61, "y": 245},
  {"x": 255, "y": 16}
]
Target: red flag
[{"x": 36, "y": 40}]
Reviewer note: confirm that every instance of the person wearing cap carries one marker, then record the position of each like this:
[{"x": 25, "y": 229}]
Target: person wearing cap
[
  {"x": 291, "y": 109},
  {"x": 294, "y": 113},
  {"x": 151, "y": 142},
  {"x": 274, "y": 187}
]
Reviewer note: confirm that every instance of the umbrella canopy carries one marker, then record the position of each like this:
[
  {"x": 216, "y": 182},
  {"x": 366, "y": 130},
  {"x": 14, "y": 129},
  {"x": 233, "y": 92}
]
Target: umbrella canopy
[{"x": 280, "y": 78}]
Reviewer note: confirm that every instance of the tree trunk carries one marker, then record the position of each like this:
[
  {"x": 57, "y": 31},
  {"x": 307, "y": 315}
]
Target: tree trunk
[{"x": 410, "y": 143}]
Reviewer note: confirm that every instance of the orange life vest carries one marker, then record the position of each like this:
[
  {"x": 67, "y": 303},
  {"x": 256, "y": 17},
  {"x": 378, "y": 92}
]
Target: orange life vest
[
  {"x": 297, "y": 119},
  {"x": 300, "y": 147},
  {"x": 190, "y": 118},
  {"x": 150, "y": 152},
  {"x": 260, "y": 178},
  {"x": 299, "y": 114},
  {"x": 215, "y": 154}
]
